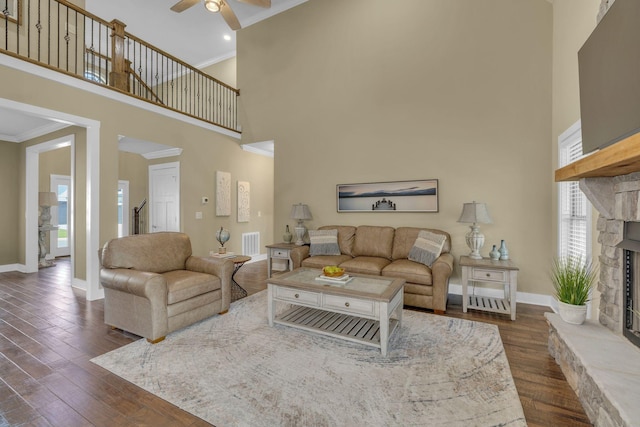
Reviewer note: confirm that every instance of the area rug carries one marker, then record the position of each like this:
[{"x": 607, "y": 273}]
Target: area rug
[{"x": 235, "y": 370}]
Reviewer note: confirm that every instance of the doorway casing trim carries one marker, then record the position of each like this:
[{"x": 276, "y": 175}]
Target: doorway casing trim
[{"x": 92, "y": 282}]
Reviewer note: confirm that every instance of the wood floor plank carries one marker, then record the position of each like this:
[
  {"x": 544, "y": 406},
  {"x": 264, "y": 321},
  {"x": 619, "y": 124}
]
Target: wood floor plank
[{"x": 49, "y": 333}]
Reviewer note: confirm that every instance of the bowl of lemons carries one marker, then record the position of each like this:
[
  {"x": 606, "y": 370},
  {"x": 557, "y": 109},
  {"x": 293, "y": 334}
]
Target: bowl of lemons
[{"x": 332, "y": 271}]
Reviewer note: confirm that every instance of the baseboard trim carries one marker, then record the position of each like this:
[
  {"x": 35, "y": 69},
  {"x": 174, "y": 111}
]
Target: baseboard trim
[{"x": 13, "y": 267}]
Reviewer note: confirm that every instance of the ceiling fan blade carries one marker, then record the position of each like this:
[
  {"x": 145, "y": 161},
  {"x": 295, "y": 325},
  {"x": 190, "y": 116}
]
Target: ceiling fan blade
[
  {"x": 229, "y": 16},
  {"x": 260, "y": 3},
  {"x": 183, "y": 5}
]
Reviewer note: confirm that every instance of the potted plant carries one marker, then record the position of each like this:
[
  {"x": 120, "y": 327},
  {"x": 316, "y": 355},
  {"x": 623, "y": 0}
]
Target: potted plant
[{"x": 573, "y": 279}]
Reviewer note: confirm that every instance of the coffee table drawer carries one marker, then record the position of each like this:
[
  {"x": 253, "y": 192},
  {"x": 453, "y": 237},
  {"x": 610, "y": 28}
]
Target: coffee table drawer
[
  {"x": 349, "y": 305},
  {"x": 298, "y": 297}
]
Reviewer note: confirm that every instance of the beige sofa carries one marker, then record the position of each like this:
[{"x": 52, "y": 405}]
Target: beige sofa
[
  {"x": 154, "y": 286},
  {"x": 384, "y": 251}
]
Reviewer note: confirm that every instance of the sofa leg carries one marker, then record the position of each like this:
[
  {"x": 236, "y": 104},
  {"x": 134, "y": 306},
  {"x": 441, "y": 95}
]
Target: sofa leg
[
  {"x": 440, "y": 312},
  {"x": 224, "y": 312},
  {"x": 156, "y": 341}
]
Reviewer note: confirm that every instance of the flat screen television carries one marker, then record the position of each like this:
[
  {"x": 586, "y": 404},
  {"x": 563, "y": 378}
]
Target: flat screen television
[{"x": 609, "y": 68}]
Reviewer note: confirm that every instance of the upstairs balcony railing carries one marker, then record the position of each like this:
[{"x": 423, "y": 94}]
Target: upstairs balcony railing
[{"x": 63, "y": 37}]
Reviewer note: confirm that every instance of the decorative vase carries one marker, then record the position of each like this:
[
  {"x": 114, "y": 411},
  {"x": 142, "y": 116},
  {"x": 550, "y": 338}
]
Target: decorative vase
[
  {"x": 287, "y": 236},
  {"x": 504, "y": 252},
  {"x": 495, "y": 253},
  {"x": 574, "y": 314}
]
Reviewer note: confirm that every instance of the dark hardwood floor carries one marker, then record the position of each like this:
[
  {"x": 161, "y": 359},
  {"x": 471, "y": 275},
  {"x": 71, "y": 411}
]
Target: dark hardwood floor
[{"x": 49, "y": 332}]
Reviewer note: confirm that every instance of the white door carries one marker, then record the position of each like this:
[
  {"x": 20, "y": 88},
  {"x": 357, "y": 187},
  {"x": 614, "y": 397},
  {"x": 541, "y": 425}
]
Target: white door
[
  {"x": 123, "y": 208},
  {"x": 60, "y": 239},
  {"x": 164, "y": 197}
]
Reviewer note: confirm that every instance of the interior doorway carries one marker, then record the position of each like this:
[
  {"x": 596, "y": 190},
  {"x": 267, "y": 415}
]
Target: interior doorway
[{"x": 60, "y": 239}]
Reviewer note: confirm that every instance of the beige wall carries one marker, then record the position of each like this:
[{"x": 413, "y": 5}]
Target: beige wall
[
  {"x": 204, "y": 152},
  {"x": 225, "y": 71},
  {"x": 55, "y": 162},
  {"x": 9, "y": 194},
  {"x": 459, "y": 91}
]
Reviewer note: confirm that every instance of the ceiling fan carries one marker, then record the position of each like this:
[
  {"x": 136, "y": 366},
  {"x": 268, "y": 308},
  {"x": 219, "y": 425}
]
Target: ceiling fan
[{"x": 220, "y": 6}]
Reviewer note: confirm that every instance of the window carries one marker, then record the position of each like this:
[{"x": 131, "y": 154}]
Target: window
[{"x": 574, "y": 221}]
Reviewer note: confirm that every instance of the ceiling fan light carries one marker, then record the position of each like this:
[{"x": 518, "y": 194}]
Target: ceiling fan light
[{"x": 212, "y": 5}]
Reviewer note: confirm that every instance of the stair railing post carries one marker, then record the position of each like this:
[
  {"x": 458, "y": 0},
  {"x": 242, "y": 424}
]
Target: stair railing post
[{"x": 119, "y": 76}]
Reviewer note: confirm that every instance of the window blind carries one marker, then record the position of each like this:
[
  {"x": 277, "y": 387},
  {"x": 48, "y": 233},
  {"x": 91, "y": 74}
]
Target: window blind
[{"x": 574, "y": 207}]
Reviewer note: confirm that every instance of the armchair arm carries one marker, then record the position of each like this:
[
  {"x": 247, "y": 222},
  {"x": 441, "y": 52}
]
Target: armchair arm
[
  {"x": 152, "y": 286},
  {"x": 222, "y": 268},
  {"x": 298, "y": 254},
  {"x": 441, "y": 270}
]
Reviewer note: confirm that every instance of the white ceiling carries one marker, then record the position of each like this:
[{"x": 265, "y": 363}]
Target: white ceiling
[{"x": 194, "y": 36}]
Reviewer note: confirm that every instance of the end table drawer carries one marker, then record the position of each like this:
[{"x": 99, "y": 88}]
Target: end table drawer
[
  {"x": 279, "y": 253},
  {"x": 349, "y": 305},
  {"x": 489, "y": 275},
  {"x": 298, "y": 297}
]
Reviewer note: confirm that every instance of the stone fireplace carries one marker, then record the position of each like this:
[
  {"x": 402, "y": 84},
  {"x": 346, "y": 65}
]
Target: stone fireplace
[{"x": 601, "y": 364}]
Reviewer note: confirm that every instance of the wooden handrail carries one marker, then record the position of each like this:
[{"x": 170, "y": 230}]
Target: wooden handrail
[
  {"x": 179, "y": 61},
  {"x": 103, "y": 53}
]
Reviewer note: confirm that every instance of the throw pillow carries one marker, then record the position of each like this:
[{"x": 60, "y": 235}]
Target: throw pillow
[
  {"x": 323, "y": 242},
  {"x": 427, "y": 247}
]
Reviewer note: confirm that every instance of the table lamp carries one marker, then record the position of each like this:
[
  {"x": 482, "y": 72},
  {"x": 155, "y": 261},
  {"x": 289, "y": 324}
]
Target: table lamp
[
  {"x": 475, "y": 213},
  {"x": 300, "y": 212}
]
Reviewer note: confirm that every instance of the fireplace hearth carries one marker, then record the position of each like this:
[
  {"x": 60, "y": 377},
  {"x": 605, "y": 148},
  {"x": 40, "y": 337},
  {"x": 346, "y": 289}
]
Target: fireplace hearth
[{"x": 601, "y": 359}]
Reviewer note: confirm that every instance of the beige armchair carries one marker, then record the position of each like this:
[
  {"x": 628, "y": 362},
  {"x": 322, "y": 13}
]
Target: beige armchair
[{"x": 154, "y": 286}]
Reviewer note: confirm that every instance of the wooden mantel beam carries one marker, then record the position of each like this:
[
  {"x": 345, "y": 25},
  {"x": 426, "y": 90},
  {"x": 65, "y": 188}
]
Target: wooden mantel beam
[{"x": 621, "y": 158}]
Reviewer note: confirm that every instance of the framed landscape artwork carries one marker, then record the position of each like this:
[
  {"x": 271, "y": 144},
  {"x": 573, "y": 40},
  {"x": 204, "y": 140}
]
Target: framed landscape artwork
[{"x": 396, "y": 196}]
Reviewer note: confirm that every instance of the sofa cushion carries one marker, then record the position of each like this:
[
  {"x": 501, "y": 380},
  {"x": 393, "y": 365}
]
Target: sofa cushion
[
  {"x": 373, "y": 241},
  {"x": 323, "y": 242},
  {"x": 427, "y": 248},
  {"x": 184, "y": 284},
  {"x": 320, "y": 261},
  {"x": 405, "y": 237},
  {"x": 365, "y": 265},
  {"x": 411, "y": 271},
  {"x": 346, "y": 236}
]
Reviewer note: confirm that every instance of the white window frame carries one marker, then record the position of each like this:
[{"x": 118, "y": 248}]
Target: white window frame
[{"x": 567, "y": 140}]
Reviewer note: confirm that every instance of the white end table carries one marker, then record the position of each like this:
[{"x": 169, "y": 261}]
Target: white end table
[
  {"x": 490, "y": 271},
  {"x": 279, "y": 251}
]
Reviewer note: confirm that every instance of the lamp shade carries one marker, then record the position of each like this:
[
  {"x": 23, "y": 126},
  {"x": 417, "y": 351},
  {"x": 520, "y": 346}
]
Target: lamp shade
[
  {"x": 475, "y": 213},
  {"x": 300, "y": 211},
  {"x": 46, "y": 198}
]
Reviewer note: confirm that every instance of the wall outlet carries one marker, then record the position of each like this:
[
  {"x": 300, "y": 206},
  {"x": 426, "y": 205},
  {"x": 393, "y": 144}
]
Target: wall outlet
[{"x": 198, "y": 215}]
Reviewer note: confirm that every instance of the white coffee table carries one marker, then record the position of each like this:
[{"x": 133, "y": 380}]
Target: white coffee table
[{"x": 366, "y": 310}]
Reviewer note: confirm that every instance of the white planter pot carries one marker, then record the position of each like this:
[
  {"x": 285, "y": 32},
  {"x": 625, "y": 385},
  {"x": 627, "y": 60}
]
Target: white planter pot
[{"x": 574, "y": 314}]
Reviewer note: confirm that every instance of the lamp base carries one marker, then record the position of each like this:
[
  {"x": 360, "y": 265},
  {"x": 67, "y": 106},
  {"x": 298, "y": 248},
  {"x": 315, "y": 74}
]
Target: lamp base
[
  {"x": 300, "y": 232},
  {"x": 475, "y": 241}
]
